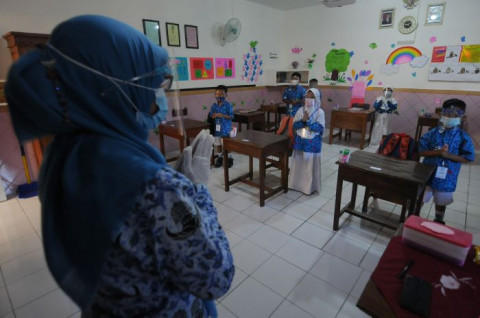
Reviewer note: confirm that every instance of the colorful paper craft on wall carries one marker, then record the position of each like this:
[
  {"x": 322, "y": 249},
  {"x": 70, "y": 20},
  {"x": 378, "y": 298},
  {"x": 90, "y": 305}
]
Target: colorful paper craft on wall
[
  {"x": 201, "y": 68},
  {"x": 336, "y": 63},
  {"x": 252, "y": 64},
  {"x": 224, "y": 67},
  {"x": 403, "y": 55},
  {"x": 181, "y": 66},
  {"x": 460, "y": 63},
  {"x": 360, "y": 81}
]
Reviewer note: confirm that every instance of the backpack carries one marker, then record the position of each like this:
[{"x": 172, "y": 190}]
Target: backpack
[{"x": 399, "y": 145}]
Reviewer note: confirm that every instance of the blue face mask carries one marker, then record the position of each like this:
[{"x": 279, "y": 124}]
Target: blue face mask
[
  {"x": 449, "y": 122},
  {"x": 152, "y": 121},
  {"x": 220, "y": 99}
]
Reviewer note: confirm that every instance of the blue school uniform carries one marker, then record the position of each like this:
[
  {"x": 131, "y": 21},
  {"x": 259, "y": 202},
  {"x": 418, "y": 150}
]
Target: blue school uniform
[
  {"x": 294, "y": 92},
  {"x": 313, "y": 145},
  {"x": 225, "y": 123},
  {"x": 459, "y": 143}
]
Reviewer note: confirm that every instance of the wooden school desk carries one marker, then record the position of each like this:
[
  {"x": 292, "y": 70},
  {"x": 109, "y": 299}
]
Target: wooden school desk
[
  {"x": 173, "y": 129},
  {"x": 258, "y": 144},
  {"x": 248, "y": 117},
  {"x": 346, "y": 118},
  {"x": 404, "y": 179},
  {"x": 277, "y": 110}
]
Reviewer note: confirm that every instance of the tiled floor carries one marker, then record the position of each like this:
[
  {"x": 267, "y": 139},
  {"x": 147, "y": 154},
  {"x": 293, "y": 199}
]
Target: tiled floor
[{"x": 289, "y": 262}]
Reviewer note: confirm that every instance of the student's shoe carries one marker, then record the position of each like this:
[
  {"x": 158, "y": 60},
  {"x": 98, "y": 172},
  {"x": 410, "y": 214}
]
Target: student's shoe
[
  {"x": 219, "y": 162},
  {"x": 439, "y": 221},
  {"x": 230, "y": 162}
]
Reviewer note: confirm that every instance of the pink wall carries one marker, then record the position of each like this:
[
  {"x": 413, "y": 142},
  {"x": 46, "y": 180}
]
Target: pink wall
[{"x": 198, "y": 105}]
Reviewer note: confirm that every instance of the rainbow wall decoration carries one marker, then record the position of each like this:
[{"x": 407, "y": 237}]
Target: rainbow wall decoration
[{"x": 403, "y": 55}]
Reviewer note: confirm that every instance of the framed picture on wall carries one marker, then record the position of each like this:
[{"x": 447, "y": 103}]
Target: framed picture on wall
[
  {"x": 191, "y": 37},
  {"x": 173, "y": 34},
  {"x": 386, "y": 18},
  {"x": 151, "y": 28},
  {"x": 435, "y": 14}
]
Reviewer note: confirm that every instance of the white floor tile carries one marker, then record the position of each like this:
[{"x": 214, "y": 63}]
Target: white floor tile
[
  {"x": 5, "y": 305},
  {"x": 317, "y": 297},
  {"x": 269, "y": 238},
  {"x": 243, "y": 225},
  {"x": 278, "y": 202},
  {"x": 53, "y": 305},
  {"x": 350, "y": 310},
  {"x": 238, "y": 203},
  {"x": 11, "y": 214},
  {"x": 223, "y": 312},
  {"x": 300, "y": 210},
  {"x": 260, "y": 214},
  {"x": 347, "y": 249},
  {"x": 225, "y": 213},
  {"x": 473, "y": 221},
  {"x": 279, "y": 275},
  {"x": 284, "y": 222},
  {"x": 370, "y": 261},
  {"x": 455, "y": 217},
  {"x": 233, "y": 239},
  {"x": 364, "y": 232},
  {"x": 360, "y": 284},
  {"x": 31, "y": 287},
  {"x": 312, "y": 234},
  {"x": 220, "y": 195},
  {"x": 289, "y": 310},
  {"x": 238, "y": 278},
  {"x": 300, "y": 254},
  {"x": 252, "y": 299},
  {"x": 23, "y": 266},
  {"x": 15, "y": 231},
  {"x": 22, "y": 246},
  {"x": 314, "y": 201},
  {"x": 248, "y": 256},
  {"x": 336, "y": 272}
]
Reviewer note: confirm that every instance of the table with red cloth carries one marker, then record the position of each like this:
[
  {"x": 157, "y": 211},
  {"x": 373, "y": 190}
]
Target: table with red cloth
[{"x": 455, "y": 292}]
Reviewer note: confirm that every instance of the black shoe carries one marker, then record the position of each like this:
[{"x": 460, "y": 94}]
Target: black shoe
[
  {"x": 439, "y": 221},
  {"x": 219, "y": 162},
  {"x": 230, "y": 162}
]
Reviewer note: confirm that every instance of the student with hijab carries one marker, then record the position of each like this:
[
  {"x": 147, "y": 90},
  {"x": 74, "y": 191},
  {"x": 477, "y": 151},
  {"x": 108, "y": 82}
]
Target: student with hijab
[
  {"x": 385, "y": 106},
  {"x": 125, "y": 234},
  {"x": 308, "y": 124}
]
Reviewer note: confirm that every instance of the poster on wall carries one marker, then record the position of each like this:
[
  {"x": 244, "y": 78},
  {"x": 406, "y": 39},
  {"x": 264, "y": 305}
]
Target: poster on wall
[
  {"x": 201, "y": 68},
  {"x": 224, "y": 67},
  {"x": 458, "y": 63},
  {"x": 181, "y": 67}
]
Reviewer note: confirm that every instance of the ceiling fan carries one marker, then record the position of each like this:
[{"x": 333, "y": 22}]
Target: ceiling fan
[{"x": 336, "y": 3}]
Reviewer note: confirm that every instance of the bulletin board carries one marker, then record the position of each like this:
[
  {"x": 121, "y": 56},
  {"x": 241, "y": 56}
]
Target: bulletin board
[
  {"x": 201, "y": 68},
  {"x": 457, "y": 63},
  {"x": 224, "y": 67},
  {"x": 181, "y": 66}
]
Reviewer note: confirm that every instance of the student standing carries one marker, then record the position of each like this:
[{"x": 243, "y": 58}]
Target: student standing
[
  {"x": 446, "y": 147},
  {"x": 385, "y": 106},
  {"x": 221, "y": 113},
  {"x": 309, "y": 123}
]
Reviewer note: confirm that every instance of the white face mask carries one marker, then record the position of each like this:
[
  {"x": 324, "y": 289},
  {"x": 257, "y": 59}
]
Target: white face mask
[
  {"x": 309, "y": 103},
  {"x": 387, "y": 94},
  {"x": 450, "y": 122},
  {"x": 294, "y": 82}
]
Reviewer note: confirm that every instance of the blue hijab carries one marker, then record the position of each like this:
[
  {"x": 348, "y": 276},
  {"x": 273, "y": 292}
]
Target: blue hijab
[{"x": 100, "y": 161}]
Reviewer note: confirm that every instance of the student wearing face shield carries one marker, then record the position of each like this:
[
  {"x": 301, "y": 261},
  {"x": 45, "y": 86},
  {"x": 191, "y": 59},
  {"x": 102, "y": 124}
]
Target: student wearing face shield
[
  {"x": 446, "y": 147},
  {"x": 385, "y": 106},
  {"x": 309, "y": 123},
  {"x": 125, "y": 234}
]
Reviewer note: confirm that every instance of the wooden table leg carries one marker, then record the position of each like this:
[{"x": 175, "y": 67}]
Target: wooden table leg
[
  {"x": 330, "y": 137},
  {"x": 181, "y": 141},
  {"x": 419, "y": 202},
  {"x": 225, "y": 169},
  {"x": 284, "y": 166},
  {"x": 261, "y": 162},
  {"x": 250, "y": 167},
  {"x": 338, "y": 200},
  {"x": 162, "y": 144},
  {"x": 353, "y": 198},
  {"x": 362, "y": 141}
]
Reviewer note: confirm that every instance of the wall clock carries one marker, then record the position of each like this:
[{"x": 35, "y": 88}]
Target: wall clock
[{"x": 407, "y": 25}]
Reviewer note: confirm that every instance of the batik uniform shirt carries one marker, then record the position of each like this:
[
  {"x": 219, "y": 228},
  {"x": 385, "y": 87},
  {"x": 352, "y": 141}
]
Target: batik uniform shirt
[
  {"x": 384, "y": 105},
  {"x": 314, "y": 125},
  {"x": 169, "y": 255},
  {"x": 225, "y": 123},
  {"x": 294, "y": 92},
  {"x": 459, "y": 143}
]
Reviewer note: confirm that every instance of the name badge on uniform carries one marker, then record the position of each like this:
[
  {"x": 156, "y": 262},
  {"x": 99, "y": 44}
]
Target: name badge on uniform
[
  {"x": 441, "y": 172},
  {"x": 218, "y": 127}
]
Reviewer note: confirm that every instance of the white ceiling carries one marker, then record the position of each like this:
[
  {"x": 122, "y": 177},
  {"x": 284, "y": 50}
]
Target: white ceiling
[{"x": 286, "y": 5}]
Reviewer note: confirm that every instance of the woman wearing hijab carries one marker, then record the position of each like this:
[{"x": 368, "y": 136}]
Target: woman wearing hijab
[
  {"x": 384, "y": 106},
  {"x": 308, "y": 124},
  {"x": 125, "y": 235}
]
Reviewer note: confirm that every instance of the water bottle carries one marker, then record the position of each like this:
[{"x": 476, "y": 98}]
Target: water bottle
[
  {"x": 346, "y": 155},
  {"x": 422, "y": 112}
]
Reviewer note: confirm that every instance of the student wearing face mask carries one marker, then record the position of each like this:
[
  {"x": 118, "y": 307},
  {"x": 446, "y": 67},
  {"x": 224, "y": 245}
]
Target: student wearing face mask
[
  {"x": 446, "y": 147},
  {"x": 309, "y": 123},
  {"x": 124, "y": 233},
  {"x": 221, "y": 114},
  {"x": 385, "y": 106}
]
